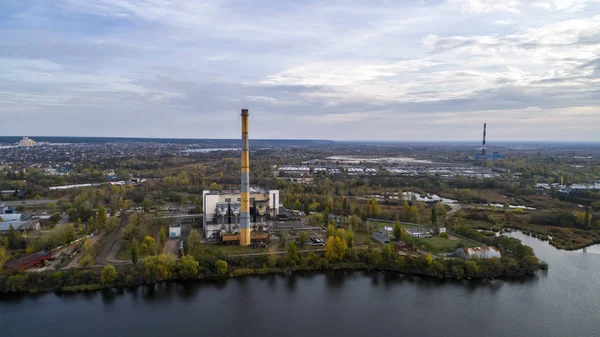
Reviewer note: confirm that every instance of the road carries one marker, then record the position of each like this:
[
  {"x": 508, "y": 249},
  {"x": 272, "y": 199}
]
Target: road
[
  {"x": 75, "y": 262},
  {"x": 111, "y": 258},
  {"x": 29, "y": 202},
  {"x": 172, "y": 246}
]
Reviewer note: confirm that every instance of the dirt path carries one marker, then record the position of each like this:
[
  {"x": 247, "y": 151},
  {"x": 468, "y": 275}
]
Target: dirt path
[{"x": 111, "y": 258}]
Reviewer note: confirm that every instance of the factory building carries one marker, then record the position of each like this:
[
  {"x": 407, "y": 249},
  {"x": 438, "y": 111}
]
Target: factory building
[
  {"x": 381, "y": 237},
  {"x": 26, "y": 142},
  {"x": 483, "y": 253},
  {"x": 222, "y": 211}
]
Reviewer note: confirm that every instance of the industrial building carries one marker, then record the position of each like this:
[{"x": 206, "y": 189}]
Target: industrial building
[
  {"x": 222, "y": 211},
  {"x": 34, "y": 260},
  {"x": 26, "y": 142},
  {"x": 483, "y": 253},
  {"x": 381, "y": 237},
  {"x": 418, "y": 232},
  {"x": 244, "y": 216},
  {"x": 175, "y": 230}
]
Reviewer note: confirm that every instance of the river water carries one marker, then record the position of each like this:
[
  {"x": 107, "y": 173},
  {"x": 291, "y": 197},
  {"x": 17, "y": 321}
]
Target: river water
[{"x": 564, "y": 301}]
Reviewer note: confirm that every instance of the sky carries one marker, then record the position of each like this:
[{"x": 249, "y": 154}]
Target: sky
[{"x": 306, "y": 69}]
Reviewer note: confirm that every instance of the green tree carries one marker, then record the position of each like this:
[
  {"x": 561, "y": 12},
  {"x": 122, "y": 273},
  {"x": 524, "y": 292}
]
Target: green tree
[
  {"x": 102, "y": 219},
  {"x": 135, "y": 251},
  {"x": 350, "y": 238},
  {"x": 109, "y": 274},
  {"x": 194, "y": 244},
  {"x": 188, "y": 267},
  {"x": 163, "y": 237},
  {"x": 388, "y": 250},
  {"x": 86, "y": 261},
  {"x": 302, "y": 239},
  {"x": 471, "y": 268},
  {"x": 434, "y": 216},
  {"x": 397, "y": 230},
  {"x": 3, "y": 255},
  {"x": 147, "y": 205},
  {"x": 293, "y": 253},
  {"x": 221, "y": 267},
  {"x": 458, "y": 272}
]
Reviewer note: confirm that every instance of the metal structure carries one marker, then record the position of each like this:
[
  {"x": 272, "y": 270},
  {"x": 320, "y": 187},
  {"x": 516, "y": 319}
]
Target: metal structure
[
  {"x": 245, "y": 239},
  {"x": 484, "y": 152},
  {"x": 483, "y": 148}
]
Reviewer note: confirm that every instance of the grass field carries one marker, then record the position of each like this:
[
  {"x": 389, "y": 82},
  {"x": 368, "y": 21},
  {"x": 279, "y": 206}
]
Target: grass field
[
  {"x": 124, "y": 252},
  {"x": 441, "y": 245},
  {"x": 364, "y": 239}
]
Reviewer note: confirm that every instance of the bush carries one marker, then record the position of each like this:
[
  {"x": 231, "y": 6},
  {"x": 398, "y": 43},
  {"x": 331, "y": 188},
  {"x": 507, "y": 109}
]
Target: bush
[{"x": 221, "y": 267}]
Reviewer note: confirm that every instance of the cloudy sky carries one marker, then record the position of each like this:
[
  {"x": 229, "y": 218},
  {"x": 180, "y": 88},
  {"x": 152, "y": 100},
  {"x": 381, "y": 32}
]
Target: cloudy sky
[{"x": 360, "y": 69}]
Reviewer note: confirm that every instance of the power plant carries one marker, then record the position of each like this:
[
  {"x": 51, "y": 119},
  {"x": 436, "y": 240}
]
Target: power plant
[
  {"x": 242, "y": 216},
  {"x": 484, "y": 154}
]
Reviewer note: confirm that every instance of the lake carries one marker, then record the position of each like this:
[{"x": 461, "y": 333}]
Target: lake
[{"x": 564, "y": 301}]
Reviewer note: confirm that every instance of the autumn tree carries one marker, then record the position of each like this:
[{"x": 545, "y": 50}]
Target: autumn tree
[
  {"x": 221, "y": 267},
  {"x": 150, "y": 243},
  {"x": 109, "y": 275},
  {"x": 188, "y": 267}
]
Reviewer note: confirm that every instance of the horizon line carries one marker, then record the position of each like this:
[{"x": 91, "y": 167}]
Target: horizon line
[{"x": 315, "y": 139}]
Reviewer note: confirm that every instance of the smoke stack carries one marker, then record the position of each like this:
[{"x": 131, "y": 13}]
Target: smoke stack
[
  {"x": 245, "y": 211},
  {"x": 483, "y": 148}
]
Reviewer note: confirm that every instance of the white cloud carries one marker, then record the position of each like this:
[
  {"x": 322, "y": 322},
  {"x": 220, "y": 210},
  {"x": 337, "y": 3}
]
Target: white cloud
[
  {"x": 485, "y": 6},
  {"x": 563, "y": 5}
]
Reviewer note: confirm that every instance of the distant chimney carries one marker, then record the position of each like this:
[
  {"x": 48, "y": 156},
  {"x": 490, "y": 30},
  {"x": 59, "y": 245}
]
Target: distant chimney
[{"x": 483, "y": 148}]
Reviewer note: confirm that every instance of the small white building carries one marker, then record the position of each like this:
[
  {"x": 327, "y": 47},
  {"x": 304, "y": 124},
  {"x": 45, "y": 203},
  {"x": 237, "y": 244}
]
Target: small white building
[
  {"x": 418, "y": 232},
  {"x": 175, "y": 230}
]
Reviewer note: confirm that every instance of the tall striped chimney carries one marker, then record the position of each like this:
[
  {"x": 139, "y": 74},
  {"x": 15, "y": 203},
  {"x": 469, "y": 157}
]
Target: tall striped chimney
[{"x": 245, "y": 212}]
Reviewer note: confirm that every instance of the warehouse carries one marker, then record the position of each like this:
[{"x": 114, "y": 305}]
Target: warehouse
[
  {"x": 483, "y": 253},
  {"x": 381, "y": 237},
  {"x": 34, "y": 260}
]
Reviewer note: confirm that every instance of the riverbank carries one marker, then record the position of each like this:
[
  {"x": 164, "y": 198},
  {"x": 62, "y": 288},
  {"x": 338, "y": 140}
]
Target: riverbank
[
  {"x": 167, "y": 268},
  {"x": 561, "y": 238}
]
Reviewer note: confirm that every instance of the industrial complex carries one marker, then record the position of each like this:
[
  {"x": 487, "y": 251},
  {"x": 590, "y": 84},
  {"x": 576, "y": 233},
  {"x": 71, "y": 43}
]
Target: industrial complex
[{"x": 242, "y": 216}]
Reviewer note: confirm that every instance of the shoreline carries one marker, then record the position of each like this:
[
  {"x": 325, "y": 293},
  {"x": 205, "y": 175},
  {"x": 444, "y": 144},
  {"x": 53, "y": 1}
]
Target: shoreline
[{"x": 245, "y": 272}]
